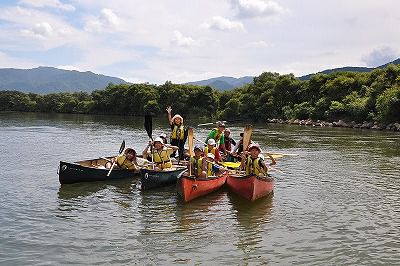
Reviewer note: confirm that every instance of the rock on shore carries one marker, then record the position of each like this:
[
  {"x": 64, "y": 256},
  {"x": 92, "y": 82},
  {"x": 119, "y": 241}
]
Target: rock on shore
[{"x": 340, "y": 123}]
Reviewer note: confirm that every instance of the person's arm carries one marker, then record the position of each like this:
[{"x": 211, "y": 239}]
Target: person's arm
[
  {"x": 273, "y": 162},
  {"x": 145, "y": 151},
  {"x": 237, "y": 145},
  {"x": 211, "y": 135},
  {"x": 173, "y": 148},
  {"x": 169, "y": 110}
]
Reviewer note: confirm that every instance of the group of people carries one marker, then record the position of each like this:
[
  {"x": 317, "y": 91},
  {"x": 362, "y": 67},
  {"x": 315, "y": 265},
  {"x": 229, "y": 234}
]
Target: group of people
[{"x": 220, "y": 146}]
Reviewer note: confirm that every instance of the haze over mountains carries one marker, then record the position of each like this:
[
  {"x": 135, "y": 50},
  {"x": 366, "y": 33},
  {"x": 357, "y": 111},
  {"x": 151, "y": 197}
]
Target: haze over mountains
[{"x": 45, "y": 80}]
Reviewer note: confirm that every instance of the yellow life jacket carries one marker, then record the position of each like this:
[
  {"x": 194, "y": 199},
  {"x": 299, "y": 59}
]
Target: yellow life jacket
[
  {"x": 217, "y": 135},
  {"x": 124, "y": 163},
  {"x": 213, "y": 150},
  {"x": 253, "y": 166},
  {"x": 197, "y": 166},
  {"x": 162, "y": 158},
  {"x": 210, "y": 171},
  {"x": 178, "y": 132}
]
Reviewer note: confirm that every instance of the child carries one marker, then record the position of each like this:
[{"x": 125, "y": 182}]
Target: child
[
  {"x": 253, "y": 163},
  {"x": 161, "y": 153},
  {"x": 197, "y": 163}
]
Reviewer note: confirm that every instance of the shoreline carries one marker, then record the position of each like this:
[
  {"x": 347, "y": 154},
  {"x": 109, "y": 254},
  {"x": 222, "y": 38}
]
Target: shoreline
[{"x": 339, "y": 123}]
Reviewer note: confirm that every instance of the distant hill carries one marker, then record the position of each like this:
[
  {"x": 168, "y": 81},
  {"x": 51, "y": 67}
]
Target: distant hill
[
  {"x": 49, "y": 79},
  {"x": 223, "y": 83},
  {"x": 350, "y": 69},
  {"x": 228, "y": 83}
]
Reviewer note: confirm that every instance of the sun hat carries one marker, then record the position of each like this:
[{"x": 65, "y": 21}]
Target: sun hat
[
  {"x": 158, "y": 139},
  {"x": 210, "y": 155},
  {"x": 177, "y": 116},
  {"x": 211, "y": 142},
  {"x": 198, "y": 147},
  {"x": 255, "y": 145},
  {"x": 221, "y": 124}
]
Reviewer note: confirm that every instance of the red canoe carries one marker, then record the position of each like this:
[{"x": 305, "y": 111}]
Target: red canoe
[
  {"x": 250, "y": 187},
  {"x": 190, "y": 188}
]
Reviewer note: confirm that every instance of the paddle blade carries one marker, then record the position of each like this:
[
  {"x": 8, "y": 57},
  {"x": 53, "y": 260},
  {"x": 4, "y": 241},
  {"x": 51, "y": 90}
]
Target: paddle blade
[
  {"x": 148, "y": 125},
  {"x": 190, "y": 141},
  {"x": 121, "y": 149},
  {"x": 247, "y": 136}
]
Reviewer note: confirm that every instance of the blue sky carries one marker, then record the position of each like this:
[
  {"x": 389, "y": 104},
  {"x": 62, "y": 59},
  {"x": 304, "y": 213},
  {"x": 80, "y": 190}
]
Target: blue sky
[{"x": 186, "y": 40}]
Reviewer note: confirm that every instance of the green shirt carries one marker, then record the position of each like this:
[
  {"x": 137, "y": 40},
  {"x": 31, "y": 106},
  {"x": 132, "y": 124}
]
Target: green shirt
[{"x": 218, "y": 138}]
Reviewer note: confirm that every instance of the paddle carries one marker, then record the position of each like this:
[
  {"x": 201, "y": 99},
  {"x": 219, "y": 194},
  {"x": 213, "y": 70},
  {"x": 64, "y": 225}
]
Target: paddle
[
  {"x": 121, "y": 149},
  {"x": 278, "y": 155},
  {"x": 148, "y": 125},
  {"x": 211, "y": 123},
  {"x": 191, "y": 152},
  {"x": 247, "y": 136}
]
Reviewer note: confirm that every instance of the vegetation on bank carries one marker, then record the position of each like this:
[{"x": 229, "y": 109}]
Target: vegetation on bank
[{"x": 352, "y": 96}]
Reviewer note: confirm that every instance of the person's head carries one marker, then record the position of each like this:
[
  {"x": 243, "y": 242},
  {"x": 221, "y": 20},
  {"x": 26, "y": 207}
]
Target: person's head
[
  {"x": 210, "y": 157},
  {"x": 227, "y": 132},
  {"x": 221, "y": 127},
  {"x": 211, "y": 143},
  {"x": 130, "y": 153},
  {"x": 241, "y": 135},
  {"x": 254, "y": 150},
  {"x": 163, "y": 136},
  {"x": 158, "y": 143},
  {"x": 177, "y": 119},
  {"x": 198, "y": 150}
]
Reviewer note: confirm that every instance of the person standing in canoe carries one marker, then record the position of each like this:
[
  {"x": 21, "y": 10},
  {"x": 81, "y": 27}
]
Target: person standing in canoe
[
  {"x": 161, "y": 154},
  {"x": 253, "y": 163},
  {"x": 197, "y": 163},
  {"x": 178, "y": 133},
  {"x": 210, "y": 148},
  {"x": 217, "y": 134},
  {"x": 228, "y": 145},
  {"x": 127, "y": 160}
]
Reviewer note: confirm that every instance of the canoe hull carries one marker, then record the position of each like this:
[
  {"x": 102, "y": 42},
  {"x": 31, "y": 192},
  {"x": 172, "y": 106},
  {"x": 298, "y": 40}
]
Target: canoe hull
[
  {"x": 69, "y": 173},
  {"x": 190, "y": 188},
  {"x": 250, "y": 187},
  {"x": 153, "y": 179}
]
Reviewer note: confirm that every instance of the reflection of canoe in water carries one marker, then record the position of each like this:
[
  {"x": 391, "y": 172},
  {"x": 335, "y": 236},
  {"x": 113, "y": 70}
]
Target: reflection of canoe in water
[
  {"x": 152, "y": 178},
  {"x": 250, "y": 187},
  {"x": 190, "y": 187},
  {"x": 92, "y": 170}
]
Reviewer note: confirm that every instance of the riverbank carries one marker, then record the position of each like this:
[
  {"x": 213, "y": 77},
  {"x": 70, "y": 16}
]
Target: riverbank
[{"x": 340, "y": 123}]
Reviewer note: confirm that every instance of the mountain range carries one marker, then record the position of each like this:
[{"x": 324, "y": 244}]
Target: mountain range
[
  {"x": 44, "y": 80},
  {"x": 49, "y": 79}
]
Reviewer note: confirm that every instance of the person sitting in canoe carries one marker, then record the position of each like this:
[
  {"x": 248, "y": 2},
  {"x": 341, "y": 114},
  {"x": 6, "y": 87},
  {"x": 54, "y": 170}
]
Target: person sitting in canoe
[
  {"x": 178, "y": 134},
  {"x": 161, "y": 154},
  {"x": 253, "y": 163},
  {"x": 210, "y": 148},
  {"x": 217, "y": 134},
  {"x": 127, "y": 160},
  {"x": 211, "y": 168},
  {"x": 197, "y": 163},
  {"x": 164, "y": 137}
]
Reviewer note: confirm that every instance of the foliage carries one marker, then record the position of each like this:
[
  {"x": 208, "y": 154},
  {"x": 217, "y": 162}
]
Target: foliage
[{"x": 339, "y": 95}]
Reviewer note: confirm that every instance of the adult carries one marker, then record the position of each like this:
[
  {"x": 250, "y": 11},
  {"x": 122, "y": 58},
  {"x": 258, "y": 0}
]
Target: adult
[
  {"x": 253, "y": 163},
  {"x": 161, "y": 154},
  {"x": 228, "y": 145},
  {"x": 178, "y": 132}
]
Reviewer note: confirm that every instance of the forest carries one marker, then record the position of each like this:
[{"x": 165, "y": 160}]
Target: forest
[{"x": 351, "y": 96}]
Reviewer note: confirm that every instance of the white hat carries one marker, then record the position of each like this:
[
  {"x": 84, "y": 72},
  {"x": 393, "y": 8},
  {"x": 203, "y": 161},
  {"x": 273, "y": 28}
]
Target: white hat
[
  {"x": 177, "y": 116},
  {"x": 158, "y": 139},
  {"x": 210, "y": 155},
  {"x": 211, "y": 142}
]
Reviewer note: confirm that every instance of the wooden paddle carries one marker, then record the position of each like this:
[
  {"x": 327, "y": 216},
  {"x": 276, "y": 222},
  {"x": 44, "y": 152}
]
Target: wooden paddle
[
  {"x": 191, "y": 152},
  {"x": 121, "y": 149},
  {"x": 247, "y": 136}
]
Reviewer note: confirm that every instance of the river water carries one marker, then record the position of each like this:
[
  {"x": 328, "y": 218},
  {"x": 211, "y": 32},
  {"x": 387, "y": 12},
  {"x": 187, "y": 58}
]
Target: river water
[{"x": 337, "y": 202}]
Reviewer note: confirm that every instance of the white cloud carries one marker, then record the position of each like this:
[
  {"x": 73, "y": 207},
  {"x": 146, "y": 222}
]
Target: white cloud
[
  {"x": 257, "y": 8},
  {"x": 381, "y": 56},
  {"x": 181, "y": 40},
  {"x": 257, "y": 44},
  {"x": 106, "y": 21},
  {"x": 224, "y": 24},
  {"x": 48, "y": 3},
  {"x": 40, "y": 30}
]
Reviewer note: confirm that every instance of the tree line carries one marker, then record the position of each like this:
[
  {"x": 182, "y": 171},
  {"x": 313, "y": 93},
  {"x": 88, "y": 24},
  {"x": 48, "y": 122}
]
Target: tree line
[{"x": 352, "y": 96}]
